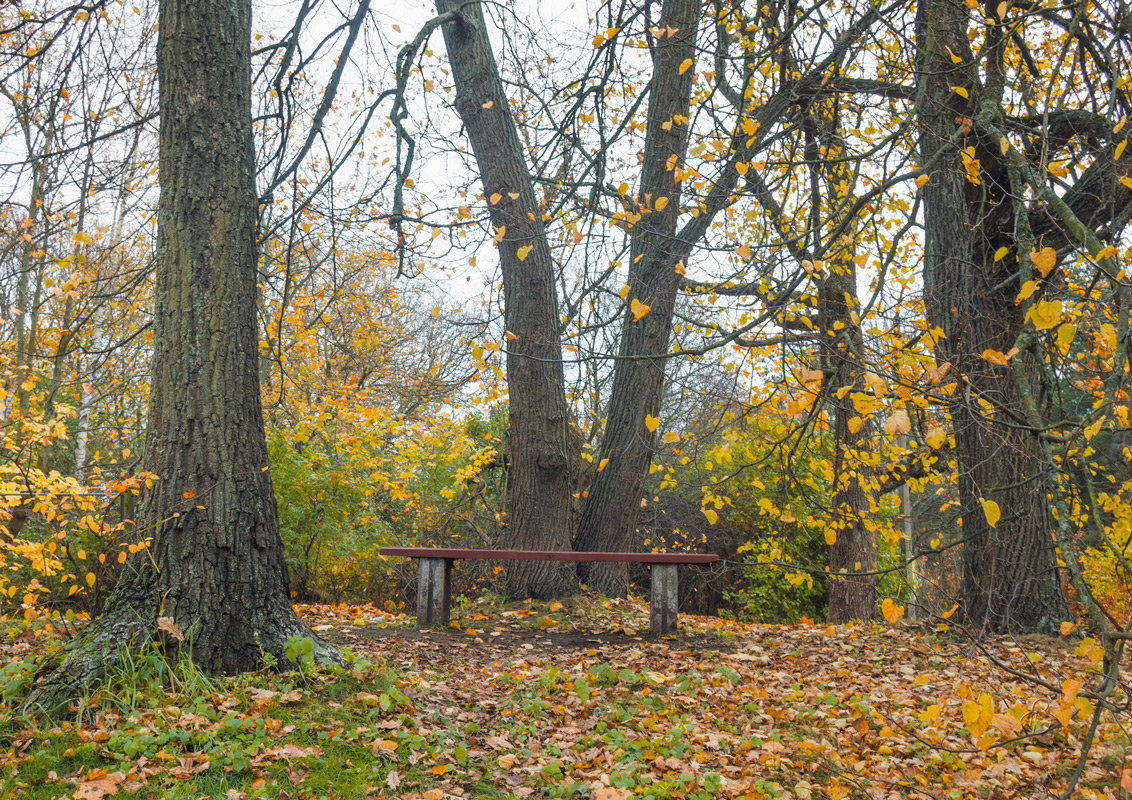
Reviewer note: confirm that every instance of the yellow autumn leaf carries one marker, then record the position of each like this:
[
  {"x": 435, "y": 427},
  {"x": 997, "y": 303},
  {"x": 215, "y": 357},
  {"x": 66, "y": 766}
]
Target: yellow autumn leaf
[
  {"x": 931, "y": 714},
  {"x": 864, "y": 403},
  {"x": 1000, "y": 253},
  {"x": 991, "y": 511},
  {"x": 685, "y": 65},
  {"x": 712, "y": 517},
  {"x": 671, "y": 437},
  {"x": 971, "y": 714},
  {"x": 830, "y": 536},
  {"x": 743, "y": 251},
  {"x": 1044, "y": 260},
  {"x": 920, "y": 181},
  {"x": 898, "y": 423},
  {"x": 601, "y": 466},
  {"x": 1065, "y": 336},
  {"x": 638, "y": 308},
  {"x": 1069, "y": 689},
  {"x": 936, "y": 437},
  {"x": 874, "y": 382},
  {"x": 90, "y": 579},
  {"x": 891, "y": 610},
  {"x": 524, "y": 251},
  {"x": 1106, "y": 338},
  {"x": 1119, "y": 150},
  {"x": 661, "y": 203},
  {"x": 1045, "y": 314},
  {"x": 959, "y": 90},
  {"x": 1028, "y": 288},
  {"x": 995, "y": 357},
  {"x": 651, "y": 422},
  {"x": 1068, "y": 628}
]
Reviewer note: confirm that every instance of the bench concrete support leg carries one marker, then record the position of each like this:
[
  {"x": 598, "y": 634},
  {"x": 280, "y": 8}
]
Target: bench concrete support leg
[
  {"x": 433, "y": 592},
  {"x": 665, "y": 600}
]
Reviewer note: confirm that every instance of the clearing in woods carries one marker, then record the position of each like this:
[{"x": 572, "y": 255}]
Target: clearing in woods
[{"x": 573, "y": 699}]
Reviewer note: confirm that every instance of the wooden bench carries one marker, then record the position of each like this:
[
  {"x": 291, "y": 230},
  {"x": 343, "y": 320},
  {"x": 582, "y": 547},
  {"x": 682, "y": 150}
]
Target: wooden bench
[{"x": 434, "y": 594}]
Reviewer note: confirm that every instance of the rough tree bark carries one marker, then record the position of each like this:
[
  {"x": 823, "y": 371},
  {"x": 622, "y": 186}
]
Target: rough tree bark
[
  {"x": 609, "y": 517},
  {"x": 852, "y": 556},
  {"x": 539, "y": 488},
  {"x": 215, "y": 570},
  {"x": 1010, "y": 572}
]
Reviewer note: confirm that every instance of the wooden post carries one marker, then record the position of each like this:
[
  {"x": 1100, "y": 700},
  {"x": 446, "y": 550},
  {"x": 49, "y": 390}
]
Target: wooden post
[
  {"x": 665, "y": 601},
  {"x": 433, "y": 592}
]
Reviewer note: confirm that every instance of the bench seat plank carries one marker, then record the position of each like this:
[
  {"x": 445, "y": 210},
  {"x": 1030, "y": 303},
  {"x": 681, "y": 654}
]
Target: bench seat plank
[{"x": 550, "y": 555}]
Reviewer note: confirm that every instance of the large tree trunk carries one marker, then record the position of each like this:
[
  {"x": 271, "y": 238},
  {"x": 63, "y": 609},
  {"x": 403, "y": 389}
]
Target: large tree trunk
[
  {"x": 539, "y": 488},
  {"x": 1010, "y": 578},
  {"x": 215, "y": 569},
  {"x": 609, "y": 517}
]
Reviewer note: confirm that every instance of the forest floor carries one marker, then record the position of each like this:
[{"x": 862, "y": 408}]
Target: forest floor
[{"x": 572, "y": 699}]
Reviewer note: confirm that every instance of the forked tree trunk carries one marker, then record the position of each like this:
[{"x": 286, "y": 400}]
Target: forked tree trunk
[
  {"x": 612, "y": 506},
  {"x": 215, "y": 569},
  {"x": 1010, "y": 570},
  {"x": 539, "y": 486}
]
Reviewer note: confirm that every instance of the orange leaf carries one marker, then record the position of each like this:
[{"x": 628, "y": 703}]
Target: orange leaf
[
  {"x": 891, "y": 610},
  {"x": 1044, "y": 261}
]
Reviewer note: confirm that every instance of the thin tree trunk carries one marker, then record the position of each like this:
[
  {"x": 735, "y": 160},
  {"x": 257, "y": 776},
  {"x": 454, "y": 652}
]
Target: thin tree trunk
[
  {"x": 609, "y": 516},
  {"x": 215, "y": 569},
  {"x": 852, "y": 554},
  {"x": 539, "y": 487}
]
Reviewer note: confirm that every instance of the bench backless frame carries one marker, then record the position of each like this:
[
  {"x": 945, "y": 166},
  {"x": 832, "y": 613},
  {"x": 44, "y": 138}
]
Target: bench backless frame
[{"x": 435, "y": 563}]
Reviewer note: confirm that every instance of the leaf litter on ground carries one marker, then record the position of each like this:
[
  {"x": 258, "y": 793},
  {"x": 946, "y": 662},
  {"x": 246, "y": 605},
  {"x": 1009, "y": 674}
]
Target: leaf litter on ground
[{"x": 571, "y": 699}]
